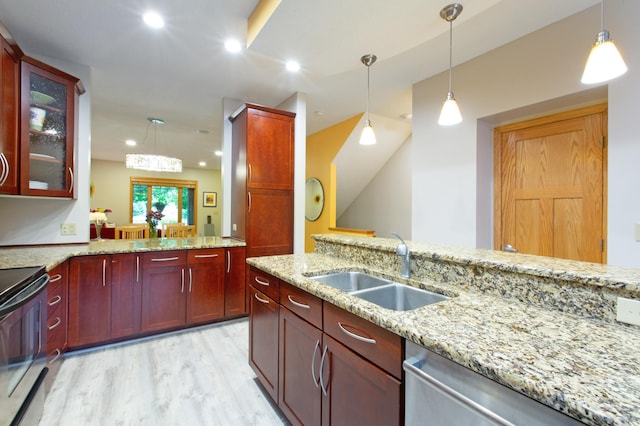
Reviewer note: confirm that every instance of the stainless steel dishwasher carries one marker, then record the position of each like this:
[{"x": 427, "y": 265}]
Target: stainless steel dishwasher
[{"x": 440, "y": 392}]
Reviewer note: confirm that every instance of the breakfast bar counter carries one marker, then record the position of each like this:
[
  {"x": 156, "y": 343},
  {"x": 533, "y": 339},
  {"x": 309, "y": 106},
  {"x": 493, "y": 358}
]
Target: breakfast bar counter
[{"x": 533, "y": 340}]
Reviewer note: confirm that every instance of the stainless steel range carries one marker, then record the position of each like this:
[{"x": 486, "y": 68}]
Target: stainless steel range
[{"x": 22, "y": 344}]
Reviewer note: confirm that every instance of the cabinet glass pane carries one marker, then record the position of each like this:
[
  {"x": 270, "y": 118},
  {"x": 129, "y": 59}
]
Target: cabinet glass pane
[{"x": 47, "y": 134}]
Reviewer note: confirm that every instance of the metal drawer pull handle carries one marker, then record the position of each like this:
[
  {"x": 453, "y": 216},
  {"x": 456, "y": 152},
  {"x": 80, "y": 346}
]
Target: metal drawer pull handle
[
  {"x": 313, "y": 364},
  {"x": 298, "y": 304},
  {"x": 164, "y": 259},
  {"x": 56, "y": 277},
  {"x": 205, "y": 255},
  {"x": 228, "y": 261},
  {"x": 55, "y": 300},
  {"x": 190, "y": 279},
  {"x": 55, "y": 358},
  {"x": 57, "y": 323},
  {"x": 266, "y": 302},
  {"x": 322, "y": 386},
  {"x": 259, "y": 281},
  {"x": 182, "y": 291},
  {"x": 355, "y": 336}
]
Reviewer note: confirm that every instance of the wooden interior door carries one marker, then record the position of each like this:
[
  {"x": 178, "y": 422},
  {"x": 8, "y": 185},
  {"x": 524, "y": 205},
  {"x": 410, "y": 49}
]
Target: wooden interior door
[{"x": 550, "y": 177}]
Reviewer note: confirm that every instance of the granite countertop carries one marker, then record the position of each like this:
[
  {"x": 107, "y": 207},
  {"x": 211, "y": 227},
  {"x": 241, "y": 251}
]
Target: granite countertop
[
  {"x": 51, "y": 256},
  {"x": 583, "y": 367}
]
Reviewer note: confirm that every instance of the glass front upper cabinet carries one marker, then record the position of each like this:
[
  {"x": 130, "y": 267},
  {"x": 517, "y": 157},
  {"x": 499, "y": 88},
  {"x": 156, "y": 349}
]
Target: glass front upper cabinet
[{"x": 49, "y": 99}]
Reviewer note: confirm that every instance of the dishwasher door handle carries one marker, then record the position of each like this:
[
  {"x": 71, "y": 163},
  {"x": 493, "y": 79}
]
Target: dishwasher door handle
[{"x": 411, "y": 367}]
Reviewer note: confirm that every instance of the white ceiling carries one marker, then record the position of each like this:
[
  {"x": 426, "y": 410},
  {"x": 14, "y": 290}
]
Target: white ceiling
[{"x": 182, "y": 72}]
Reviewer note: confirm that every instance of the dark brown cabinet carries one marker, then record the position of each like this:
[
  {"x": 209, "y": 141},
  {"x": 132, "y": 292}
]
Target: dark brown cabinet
[
  {"x": 235, "y": 289},
  {"x": 9, "y": 118},
  {"x": 205, "y": 294},
  {"x": 49, "y": 99},
  {"x": 89, "y": 300},
  {"x": 299, "y": 366},
  {"x": 163, "y": 290},
  {"x": 126, "y": 293},
  {"x": 57, "y": 294},
  {"x": 357, "y": 391},
  {"x": 263, "y": 333},
  {"x": 262, "y": 185},
  {"x": 333, "y": 367}
]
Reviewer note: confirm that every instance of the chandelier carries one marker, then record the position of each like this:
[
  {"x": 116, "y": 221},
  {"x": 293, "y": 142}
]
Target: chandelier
[{"x": 153, "y": 162}]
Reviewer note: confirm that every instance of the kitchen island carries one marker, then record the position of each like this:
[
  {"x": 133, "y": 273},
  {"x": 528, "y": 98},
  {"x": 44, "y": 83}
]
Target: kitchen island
[{"x": 543, "y": 327}]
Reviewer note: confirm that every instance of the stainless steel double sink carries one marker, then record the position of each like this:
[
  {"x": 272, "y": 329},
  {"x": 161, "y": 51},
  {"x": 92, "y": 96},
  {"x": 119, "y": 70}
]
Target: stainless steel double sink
[{"x": 383, "y": 292}]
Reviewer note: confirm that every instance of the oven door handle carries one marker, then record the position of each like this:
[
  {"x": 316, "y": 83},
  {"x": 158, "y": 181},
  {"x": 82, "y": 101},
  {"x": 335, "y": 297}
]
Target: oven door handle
[{"x": 29, "y": 293}]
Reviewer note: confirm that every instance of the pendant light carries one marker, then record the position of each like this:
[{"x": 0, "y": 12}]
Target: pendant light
[
  {"x": 153, "y": 162},
  {"x": 604, "y": 62},
  {"x": 367, "y": 137},
  {"x": 450, "y": 113}
]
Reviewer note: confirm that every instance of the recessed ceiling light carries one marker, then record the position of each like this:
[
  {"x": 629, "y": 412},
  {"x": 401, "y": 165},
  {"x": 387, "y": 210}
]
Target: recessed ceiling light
[
  {"x": 130, "y": 142},
  {"x": 202, "y": 164},
  {"x": 218, "y": 153},
  {"x": 406, "y": 116},
  {"x": 153, "y": 19},
  {"x": 232, "y": 45},
  {"x": 293, "y": 66},
  {"x": 202, "y": 132}
]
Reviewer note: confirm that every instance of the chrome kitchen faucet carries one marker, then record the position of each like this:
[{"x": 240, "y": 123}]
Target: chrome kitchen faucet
[{"x": 403, "y": 251}]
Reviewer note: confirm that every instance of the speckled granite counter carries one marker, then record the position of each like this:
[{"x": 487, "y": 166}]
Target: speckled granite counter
[
  {"x": 50, "y": 256},
  {"x": 588, "y": 368}
]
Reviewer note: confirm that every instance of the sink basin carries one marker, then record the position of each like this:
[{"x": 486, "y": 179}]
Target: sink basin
[
  {"x": 351, "y": 281},
  {"x": 399, "y": 297}
]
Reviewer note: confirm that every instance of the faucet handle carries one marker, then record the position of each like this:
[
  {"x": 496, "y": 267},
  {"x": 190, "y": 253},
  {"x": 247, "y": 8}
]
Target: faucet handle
[{"x": 402, "y": 249}]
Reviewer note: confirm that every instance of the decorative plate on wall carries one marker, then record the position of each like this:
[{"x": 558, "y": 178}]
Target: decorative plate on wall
[{"x": 314, "y": 201}]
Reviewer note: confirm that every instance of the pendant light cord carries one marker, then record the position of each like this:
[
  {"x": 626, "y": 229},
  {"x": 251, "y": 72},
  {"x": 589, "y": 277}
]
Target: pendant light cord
[
  {"x": 450, "y": 51},
  {"x": 368, "y": 70},
  {"x": 602, "y": 16}
]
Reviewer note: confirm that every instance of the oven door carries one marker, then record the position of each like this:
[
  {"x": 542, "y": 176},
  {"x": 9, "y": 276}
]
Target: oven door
[{"x": 22, "y": 355}]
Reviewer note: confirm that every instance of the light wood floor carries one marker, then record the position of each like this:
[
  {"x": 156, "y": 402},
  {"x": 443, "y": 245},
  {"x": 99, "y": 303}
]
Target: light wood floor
[{"x": 196, "y": 377}]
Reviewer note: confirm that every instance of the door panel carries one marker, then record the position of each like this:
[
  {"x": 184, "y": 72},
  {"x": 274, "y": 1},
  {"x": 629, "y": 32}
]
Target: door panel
[{"x": 550, "y": 183}]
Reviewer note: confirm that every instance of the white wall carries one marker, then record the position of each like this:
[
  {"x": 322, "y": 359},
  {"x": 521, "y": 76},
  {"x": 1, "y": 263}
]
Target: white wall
[
  {"x": 448, "y": 180},
  {"x": 298, "y": 103},
  {"x": 385, "y": 203},
  {"x": 111, "y": 180},
  {"x": 22, "y": 218}
]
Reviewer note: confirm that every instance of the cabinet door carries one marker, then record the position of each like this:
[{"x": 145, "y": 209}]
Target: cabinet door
[
  {"x": 269, "y": 222},
  {"x": 270, "y": 145},
  {"x": 163, "y": 297},
  {"x": 263, "y": 340},
  {"x": 358, "y": 392},
  {"x": 299, "y": 362},
  {"x": 235, "y": 292},
  {"x": 125, "y": 295},
  {"x": 89, "y": 300},
  {"x": 48, "y": 103},
  {"x": 9, "y": 107},
  {"x": 205, "y": 293}
]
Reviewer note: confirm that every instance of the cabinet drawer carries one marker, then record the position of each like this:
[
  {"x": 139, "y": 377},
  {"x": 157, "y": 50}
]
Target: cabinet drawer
[
  {"x": 56, "y": 298},
  {"x": 268, "y": 284},
  {"x": 57, "y": 329},
  {"x": 303, "y": 304},
  {"x": 378, "y": 345},
  {"x": 205, "y": 256},
  {"x": 164, "y": 258}
]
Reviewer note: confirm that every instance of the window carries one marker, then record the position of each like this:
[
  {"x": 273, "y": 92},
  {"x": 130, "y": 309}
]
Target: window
[{"x": 175, "y": 198}]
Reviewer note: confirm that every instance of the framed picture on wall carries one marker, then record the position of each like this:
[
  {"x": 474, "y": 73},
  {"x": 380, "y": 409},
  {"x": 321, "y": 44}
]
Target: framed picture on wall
[{"x": 209, "y": 199}]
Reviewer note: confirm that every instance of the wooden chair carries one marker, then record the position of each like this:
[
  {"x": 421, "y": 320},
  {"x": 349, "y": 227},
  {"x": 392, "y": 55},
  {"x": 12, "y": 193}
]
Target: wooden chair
[
  {"x": 178, "y": 230},
  {"x": 132, "y": 232}
]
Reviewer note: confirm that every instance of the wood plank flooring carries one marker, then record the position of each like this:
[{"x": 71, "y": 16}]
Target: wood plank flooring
[{"x": 196, "y": 377}]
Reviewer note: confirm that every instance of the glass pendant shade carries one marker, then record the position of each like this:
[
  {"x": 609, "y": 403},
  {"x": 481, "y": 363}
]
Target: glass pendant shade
[
  {"x": 604, "y": 62},
  {"x": 450, "y": 113},
  {"x": 367, "y": 137},
  {"x": 153, "y": 163}
]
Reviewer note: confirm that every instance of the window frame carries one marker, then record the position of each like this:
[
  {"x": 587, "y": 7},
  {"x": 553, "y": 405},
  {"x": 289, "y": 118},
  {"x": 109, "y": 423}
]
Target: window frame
[{"x": 177, "y": 183}]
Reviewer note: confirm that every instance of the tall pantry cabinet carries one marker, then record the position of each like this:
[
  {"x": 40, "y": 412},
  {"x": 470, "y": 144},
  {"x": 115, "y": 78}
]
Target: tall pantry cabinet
[
  {"x": 262, "y": 194},
  {"x": 262, "y": 188}
]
